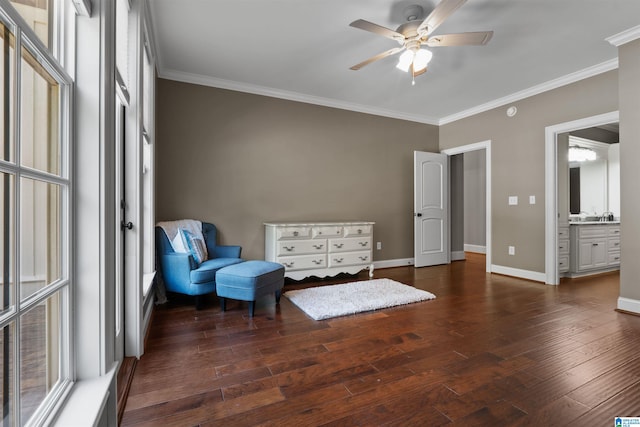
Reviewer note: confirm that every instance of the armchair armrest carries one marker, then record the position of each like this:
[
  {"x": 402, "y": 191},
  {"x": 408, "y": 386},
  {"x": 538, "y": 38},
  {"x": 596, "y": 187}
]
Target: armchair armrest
[
  {"x": 227, "y": 251},
  {"x": 176, "y": 267}
]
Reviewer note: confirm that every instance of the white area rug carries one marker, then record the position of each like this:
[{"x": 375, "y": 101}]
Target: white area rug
[{"x": 325, "y": 302}]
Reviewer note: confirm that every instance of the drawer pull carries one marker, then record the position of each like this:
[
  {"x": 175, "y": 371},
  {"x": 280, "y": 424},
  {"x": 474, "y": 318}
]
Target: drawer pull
[
  {"x": 338, "y": 245},
  {"x": 359, "y": 231},
  {"x": 616, "y": 258},
  {"x": 289, "y": 248},
  {"x": 363, "y": 244},
  {"x": 318, "y": 246},
  {"x": 288, "y": 264},
  {"x": 295, "y": 233},
  {"x": 364, "y": 258},
  {"x": 317, "y": 261},
  {"x": 616, "y": 244},
  {"x": 338, "y": 260},
  {"x": 594, "y": 244}
]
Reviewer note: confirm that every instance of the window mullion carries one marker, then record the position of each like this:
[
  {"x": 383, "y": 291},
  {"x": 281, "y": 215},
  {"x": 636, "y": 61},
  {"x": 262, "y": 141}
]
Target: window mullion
[{"x": 36, "y": 174}]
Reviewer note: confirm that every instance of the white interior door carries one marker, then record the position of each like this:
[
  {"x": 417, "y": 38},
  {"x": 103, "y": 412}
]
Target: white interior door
[{"x": 431, "y": 209}]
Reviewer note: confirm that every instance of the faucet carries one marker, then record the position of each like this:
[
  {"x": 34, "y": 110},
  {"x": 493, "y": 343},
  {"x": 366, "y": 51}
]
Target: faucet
[{"x": 607, "y": 216}]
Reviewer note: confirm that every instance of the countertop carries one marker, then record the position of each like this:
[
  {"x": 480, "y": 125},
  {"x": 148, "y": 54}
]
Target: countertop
[{"x": 594, "y": 222}]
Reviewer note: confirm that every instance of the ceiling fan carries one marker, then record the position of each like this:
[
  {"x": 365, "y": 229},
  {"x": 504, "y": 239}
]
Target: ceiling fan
[{"x": 414, "y": 34}]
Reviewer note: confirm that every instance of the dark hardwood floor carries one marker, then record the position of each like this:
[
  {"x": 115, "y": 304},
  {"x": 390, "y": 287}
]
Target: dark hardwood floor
[{"x": 489, "y": 350}]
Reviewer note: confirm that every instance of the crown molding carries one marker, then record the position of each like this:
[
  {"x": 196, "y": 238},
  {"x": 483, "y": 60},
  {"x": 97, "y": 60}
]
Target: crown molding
[
  {"x": 326, "y": 102},
  {"x": 290, "y": 96},
  {"x": 602, "y": 148},
  {"x": 625, "y": 36},
  {"x": 535, "y": 90}
]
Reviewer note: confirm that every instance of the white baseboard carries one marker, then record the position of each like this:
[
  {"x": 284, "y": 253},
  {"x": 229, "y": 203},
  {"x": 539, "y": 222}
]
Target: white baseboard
[
  {"x": 475, "y": 248},
  {"x": 499, "y": 269},
  {"x": 457, "y": 256},
  {"x": 628, "y": 304},
  {"x": 390, "y": 263},
  {"x": 516, "y": 272}
]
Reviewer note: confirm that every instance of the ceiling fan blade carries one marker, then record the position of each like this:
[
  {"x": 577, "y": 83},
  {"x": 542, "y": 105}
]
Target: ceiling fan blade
[
  {"x": 441, "y": 12},
  {"x": 460, "y": 39},
  {"x": 377, "y": 57},
  {"x": 377, "y": 29}
]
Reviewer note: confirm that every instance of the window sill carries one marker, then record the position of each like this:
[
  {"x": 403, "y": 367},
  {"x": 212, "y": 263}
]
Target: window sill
[
  {"x": 87, "y": 401},
  {"x": 147, "y": 283}
]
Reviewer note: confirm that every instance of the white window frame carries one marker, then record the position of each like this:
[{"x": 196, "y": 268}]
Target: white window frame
[
  {"x": 147, "y": 170},
  {"x": 25, "y": 36}
]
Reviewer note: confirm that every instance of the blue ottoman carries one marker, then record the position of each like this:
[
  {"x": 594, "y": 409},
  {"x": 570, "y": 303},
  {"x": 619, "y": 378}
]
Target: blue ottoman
[{"x": 248, "y": 281}]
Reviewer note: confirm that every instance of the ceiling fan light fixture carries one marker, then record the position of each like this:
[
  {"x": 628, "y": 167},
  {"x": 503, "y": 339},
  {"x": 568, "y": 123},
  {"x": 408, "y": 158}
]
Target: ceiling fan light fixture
[
  {"x": 421, "y": 59},
  {"x": 405, "y": 60}
]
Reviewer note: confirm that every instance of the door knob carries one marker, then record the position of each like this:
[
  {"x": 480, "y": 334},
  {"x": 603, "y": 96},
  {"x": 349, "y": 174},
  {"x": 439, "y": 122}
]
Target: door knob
[
  {"x": 127, "y": 225},
  {"x": 417, "y": 214}
]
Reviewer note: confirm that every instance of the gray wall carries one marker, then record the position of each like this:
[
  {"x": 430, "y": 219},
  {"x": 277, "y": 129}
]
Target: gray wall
[
  {"x": 475, "y": 196},
  {"x": 629, "y": 63},
  {"x": 518, "y": 160},
  {"x": 238, "y": 160}
]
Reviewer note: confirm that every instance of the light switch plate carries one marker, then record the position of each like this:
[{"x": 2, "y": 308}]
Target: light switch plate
[
  {"x": 513, "y": 200},
  {"x": 512, "y": 250},
  {"x": 532, "y": 200}
]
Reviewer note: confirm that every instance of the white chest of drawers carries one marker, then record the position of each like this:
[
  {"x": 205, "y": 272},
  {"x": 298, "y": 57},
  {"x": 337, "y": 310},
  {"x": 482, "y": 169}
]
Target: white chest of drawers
[{"x": 319, "y": 248}]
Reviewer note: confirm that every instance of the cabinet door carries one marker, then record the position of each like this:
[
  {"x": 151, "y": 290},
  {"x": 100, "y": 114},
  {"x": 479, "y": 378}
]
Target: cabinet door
[{"x": 592, "y": 253}]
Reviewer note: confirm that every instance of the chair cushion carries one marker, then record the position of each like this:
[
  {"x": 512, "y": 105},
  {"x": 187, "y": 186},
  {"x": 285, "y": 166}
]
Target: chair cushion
[{"x": 206, "y": 272}]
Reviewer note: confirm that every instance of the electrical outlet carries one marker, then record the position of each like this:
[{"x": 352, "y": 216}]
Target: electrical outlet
[
  {"x": 512, "y": 250},
  {"x": 379, "y": 245},
  {"x": 513, "y": 200}
]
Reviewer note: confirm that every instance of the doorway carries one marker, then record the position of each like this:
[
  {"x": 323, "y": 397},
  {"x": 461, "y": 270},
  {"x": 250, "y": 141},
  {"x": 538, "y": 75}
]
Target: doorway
[
  {"x": 486, "y": 146},
  {"x": 551, "y": 185}
]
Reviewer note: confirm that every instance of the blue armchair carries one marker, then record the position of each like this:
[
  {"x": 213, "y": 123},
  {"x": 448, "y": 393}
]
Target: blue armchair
[{"x": 180, "y": 272}]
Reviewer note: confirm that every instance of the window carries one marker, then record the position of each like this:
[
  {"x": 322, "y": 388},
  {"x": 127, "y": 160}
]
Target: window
[
  {"x": 38, "y": 14},
  {"x": 34, "y": 219},
  {"x": 148, "y": 79}
]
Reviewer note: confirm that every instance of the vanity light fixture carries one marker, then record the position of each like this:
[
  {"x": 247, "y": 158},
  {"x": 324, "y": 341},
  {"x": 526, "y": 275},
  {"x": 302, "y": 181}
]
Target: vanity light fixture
[{"x": 580, "y": 154}]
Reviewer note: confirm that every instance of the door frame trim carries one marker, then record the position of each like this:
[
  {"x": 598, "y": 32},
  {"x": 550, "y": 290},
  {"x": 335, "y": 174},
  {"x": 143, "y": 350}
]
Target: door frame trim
[
  {"x": 551, "y": 185},
  {"x": 482, "y": 145}
]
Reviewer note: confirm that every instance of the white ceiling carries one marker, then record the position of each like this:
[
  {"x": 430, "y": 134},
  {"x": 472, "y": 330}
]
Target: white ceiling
[{"x": 302, "y": 50}]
